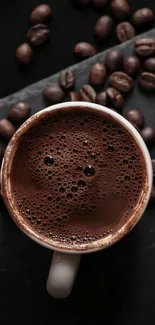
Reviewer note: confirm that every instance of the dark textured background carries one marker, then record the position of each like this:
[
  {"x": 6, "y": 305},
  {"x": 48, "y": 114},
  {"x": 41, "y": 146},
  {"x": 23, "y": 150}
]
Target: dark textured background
[
  {"x": 68, "y": 27},
  {"x": 115, "y": 286}
]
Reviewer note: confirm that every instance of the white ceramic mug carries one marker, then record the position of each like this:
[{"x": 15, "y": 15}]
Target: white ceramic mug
[{"x": 66, "y": 260}]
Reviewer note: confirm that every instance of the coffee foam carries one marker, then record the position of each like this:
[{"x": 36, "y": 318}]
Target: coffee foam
[{"x": 76, "y": 176}]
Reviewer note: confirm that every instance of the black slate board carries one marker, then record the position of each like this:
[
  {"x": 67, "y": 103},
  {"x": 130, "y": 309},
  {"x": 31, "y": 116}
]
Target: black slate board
[{"x": 114, "y": 285}]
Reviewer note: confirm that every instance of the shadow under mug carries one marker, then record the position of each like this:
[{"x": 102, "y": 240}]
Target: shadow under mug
[{"x": 66, "y": 260}]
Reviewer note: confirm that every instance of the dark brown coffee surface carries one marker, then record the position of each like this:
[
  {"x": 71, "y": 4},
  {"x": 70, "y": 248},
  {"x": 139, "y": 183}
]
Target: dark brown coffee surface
[{"x": 76, "y": 176}]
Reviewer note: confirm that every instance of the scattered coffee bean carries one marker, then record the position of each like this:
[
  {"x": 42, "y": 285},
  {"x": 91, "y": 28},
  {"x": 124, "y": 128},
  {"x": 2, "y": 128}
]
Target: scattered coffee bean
[
  {"x": 19, "y": 112},
  {"x": 53, "y": 94},
  {"x": 100, "y": 3},
  {"x": 101, "y": 98},
  {"x": 114, "y": 60},
  {"x": 6, "y": 129},
  {"x": 147, "y": 80},
  {"x": 125, "y": 31},
  {"x": 97, "y": 74},
  {"x": 73, "y": 96},
  {"x": 38, "y": 34},
  {"x": 149, "y": 64},
  {"x": 87, "y": 94},
  {"x": 148, "y": 135},
  {"x": 115, "y": 98},
  {"x": 24, "y": 53},
  {"x": 120, "y": 9},
  {"x": 136, "y": 117},
  {"x": 131, "y": 65},
  {"x": 142, "y": 17},
  {"x": 121, "y": 81},
  {"x": 40, "y": 14},
  {"x": 145, "y": 46},
  {"x": 103, "y": 27},
  {"x": 84, "y": 50},
  {"x": 67, "y": 80},
  {"x": 82, "y": 2}
]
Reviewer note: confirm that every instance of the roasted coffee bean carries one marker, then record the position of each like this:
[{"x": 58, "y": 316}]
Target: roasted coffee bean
[
  {"x": 145, "y": 46},
  {"x": 142, "y": 17},
  {"x": 87, "y": 94},
  {"x": 115, "y": 99},
  {"x": 67, "y": 80},
  {"x": 40, "y": 14},
  {"x": 19, "y": 112},
  {"x": 6, "y": 129},
  {"x": 73, "y": 96},
  {"x": 120, "y": 9},
  {"x": 136, "y": 117},
  {"x": 24, "y": 53},
  {"x": 114, "y": 60},
  {"x": 147, "y": 80},
  {"x": 100, "y": 3},
  {"x": 53, "y": 94},
  {"x": 149, "y": 64},
  {"x": 38, "y": 34},
  {"x": 84, "y": 50},
  {"x": 125, "y": 31},
  {"x": 148, "y": 135},
  {"x": 103, "y": 27},
  {"x": 102, "y": 98},
  {"x": 131, "y": 65},
  {"x": 82, "y": 2},
  {"x": 121, "y": 81},
  {"x": 97, "y": 74}
]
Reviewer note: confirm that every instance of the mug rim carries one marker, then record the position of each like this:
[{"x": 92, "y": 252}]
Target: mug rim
[{"x": 56, "y": 245}]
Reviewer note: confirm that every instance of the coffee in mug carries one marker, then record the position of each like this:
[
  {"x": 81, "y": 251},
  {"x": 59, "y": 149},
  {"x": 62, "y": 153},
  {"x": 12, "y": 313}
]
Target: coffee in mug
[{"x": 76, "y": 176}]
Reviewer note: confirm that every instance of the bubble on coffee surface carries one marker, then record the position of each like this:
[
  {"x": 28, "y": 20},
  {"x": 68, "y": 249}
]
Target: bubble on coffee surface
[
  {"x": 80, "y": 176},
  {"x": 48, "y": 160},
  {"x": 89, "y": 171}
]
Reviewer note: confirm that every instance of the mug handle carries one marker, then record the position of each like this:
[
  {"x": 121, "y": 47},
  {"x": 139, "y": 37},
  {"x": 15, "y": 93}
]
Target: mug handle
[{"x": 62, "y": 274}]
